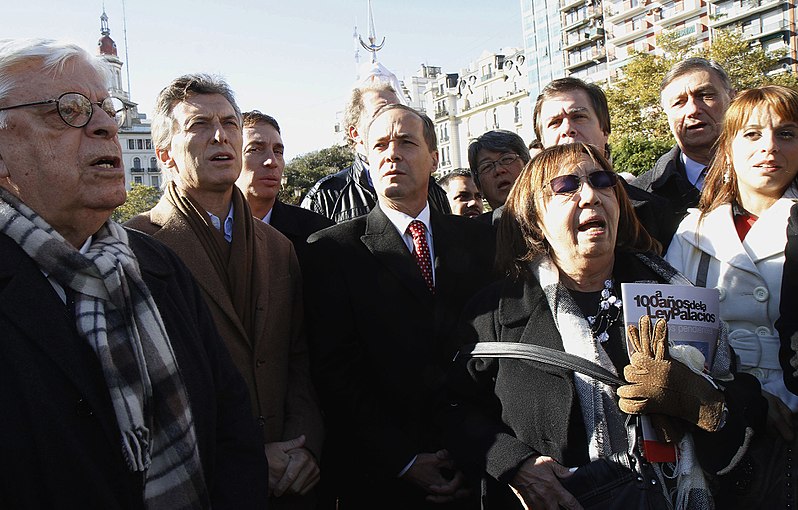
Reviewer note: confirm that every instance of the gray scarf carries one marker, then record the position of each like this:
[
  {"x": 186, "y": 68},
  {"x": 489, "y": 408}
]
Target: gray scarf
[{"x": 116, "y": 315}]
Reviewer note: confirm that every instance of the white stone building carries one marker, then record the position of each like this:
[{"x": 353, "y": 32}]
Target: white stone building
[{"x": 138, "y": 152}]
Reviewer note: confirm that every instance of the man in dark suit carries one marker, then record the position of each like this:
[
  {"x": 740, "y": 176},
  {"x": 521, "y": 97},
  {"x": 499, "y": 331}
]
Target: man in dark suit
[
  {"x": 694, "y": 94},
  {"x": 116, "y": 389},
  {"x": 384, "y": 294},
  {"x": 261, "y": 173}
]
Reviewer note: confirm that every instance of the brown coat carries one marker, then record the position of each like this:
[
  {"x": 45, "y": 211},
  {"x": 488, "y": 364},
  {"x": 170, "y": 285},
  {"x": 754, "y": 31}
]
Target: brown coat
[{"x": 275, "y": 363}]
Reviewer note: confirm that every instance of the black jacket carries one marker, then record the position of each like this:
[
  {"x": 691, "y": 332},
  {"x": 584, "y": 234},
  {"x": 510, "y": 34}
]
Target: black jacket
[
  {"x": 668, "y": 180},
  {"x": 61, "y": 445},
  {"x": 787, "y": 324},
  {"x": 503, "y": 411},
  {"x": 297, "y": 224},
  {"x": 348, "y": 194},
  {"x": 380, "y": 342}
]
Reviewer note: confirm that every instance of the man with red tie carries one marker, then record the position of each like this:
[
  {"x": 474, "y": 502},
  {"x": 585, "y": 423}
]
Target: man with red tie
[{"x": 402, "y": 276}]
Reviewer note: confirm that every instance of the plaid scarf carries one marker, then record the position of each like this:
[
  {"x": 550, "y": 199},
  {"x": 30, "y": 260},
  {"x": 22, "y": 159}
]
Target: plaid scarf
[{"x": 116, "y": 315}]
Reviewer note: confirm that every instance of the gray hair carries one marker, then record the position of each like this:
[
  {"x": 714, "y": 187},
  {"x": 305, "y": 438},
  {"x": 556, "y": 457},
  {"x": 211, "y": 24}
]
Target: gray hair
[
  {"x": 354, "y": 110},
  {"x": 696, "y": 64},
  {"x": 52, "y": 55},
  {"x": 498, "y": 140},
  {"x": 163, "y": 120}
]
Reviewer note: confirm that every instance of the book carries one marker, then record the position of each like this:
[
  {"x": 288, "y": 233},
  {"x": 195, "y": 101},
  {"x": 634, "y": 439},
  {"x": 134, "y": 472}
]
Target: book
[{"x": 693, "y": 315}]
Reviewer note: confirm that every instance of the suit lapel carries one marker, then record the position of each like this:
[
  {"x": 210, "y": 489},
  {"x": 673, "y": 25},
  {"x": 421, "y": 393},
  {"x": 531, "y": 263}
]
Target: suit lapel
[
  {"x": 261, "y": 281},
  {"x": 27, "y": 293},
  {"x": 176, "y": 233},
  {"x": 385, "y": 243},
  {"x": 281, "y": 221}
]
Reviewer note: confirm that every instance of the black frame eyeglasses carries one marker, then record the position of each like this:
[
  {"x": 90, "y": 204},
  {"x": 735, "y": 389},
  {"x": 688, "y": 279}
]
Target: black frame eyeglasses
[
  {"x": 76, "y": 110},
  {"x": 569, "y": 184},
  {"x": 490, "y": 166}
]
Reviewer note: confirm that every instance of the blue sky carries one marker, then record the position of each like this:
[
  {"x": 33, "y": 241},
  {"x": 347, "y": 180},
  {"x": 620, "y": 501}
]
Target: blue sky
[{"x": 291, "y": 59}]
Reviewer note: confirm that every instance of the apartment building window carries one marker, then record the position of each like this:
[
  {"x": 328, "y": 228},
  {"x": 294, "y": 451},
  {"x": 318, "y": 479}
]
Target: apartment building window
[
  {"x": 131, "y": 144},
  {"x": 495, "y": 119},
  {"x": 148, "y": 144},
  {"x": 137, "y": 163},
  {"x": 637, "y": 22},
  {"x": 517, "y": 112},
  {"x": 137, "y": 179},
  {"x": 155, "y": 181},
  {"x": 153, "y": 164}
]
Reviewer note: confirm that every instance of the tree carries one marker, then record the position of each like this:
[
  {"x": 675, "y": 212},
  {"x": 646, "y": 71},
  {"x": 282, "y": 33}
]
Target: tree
[
  {"x": 638, "y": 121},
  {"x": 140, "y": 198},
  {"x": 303, "y": 171}
]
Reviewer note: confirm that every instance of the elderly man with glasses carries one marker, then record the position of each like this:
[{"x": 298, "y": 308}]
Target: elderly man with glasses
[{"x": 117, "y": 391}]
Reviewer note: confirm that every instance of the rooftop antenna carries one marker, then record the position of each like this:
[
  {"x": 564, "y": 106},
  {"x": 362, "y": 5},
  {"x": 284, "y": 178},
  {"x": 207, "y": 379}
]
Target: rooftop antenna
[
  {"x": 124, "y": 35},
  {"x": 372, "y": 46}
]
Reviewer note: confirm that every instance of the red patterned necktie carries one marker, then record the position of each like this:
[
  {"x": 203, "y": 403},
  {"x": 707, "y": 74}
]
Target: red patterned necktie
[{"x": 421, "y": 252}]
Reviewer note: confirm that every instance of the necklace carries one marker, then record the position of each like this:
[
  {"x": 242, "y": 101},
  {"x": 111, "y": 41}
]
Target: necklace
[{"x": 609, "y": 311}]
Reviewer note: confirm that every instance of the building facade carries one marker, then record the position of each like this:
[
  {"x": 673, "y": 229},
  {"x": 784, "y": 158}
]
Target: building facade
[
  {"x": 135, "y": 136},
  {"x": 598, "y": 37},
  {"x": 492, "y": 92}
]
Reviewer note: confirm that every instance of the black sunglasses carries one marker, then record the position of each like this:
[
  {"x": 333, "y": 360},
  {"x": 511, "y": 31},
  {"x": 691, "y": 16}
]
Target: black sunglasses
[{"x": 570, "y": 184}]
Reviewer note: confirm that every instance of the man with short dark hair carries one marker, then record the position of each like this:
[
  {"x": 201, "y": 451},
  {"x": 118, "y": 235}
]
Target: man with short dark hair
[
  {"x": 384, "y": 293},
  {"x": 248, "y": 273},
  {"x": 350, "y": 192},
  {"x": 261, "y": 174},
  {"x": 117, "y": 391},
  {"x": 569, "y": 110},
  {"x": 465, "y": 199},
  {"x": 694, "y": 94}
]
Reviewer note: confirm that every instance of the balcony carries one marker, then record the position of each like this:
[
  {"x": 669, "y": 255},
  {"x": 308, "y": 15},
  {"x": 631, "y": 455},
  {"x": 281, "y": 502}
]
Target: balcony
[
  {"x": 672, "y": 18},
  {"x": 613, "y": 16},
  {"x": 769, "y": 29},
  {"x": 439, "y": 114},
  {"x": 634, "y": 33},
  {"x": 565, "y": 5},
  {"x": 136, "y": 170},
  {"x": 725, "y": 15},
  {"x": 153, "y": 170}
]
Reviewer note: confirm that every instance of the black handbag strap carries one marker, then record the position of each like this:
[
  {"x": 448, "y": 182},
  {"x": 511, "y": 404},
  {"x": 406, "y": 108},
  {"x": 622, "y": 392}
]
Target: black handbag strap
[
  {"x": 703, "y": 270},
  {"x": 545, "y": 355}
]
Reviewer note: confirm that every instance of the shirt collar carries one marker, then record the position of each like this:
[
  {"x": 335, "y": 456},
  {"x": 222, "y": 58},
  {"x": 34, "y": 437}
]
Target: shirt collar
[
  {"x": 694, "y": 171},
  {"x": 401, "y": 220},
  {"x": 228, "y": 224},
  {"x": 268, "y": 217}
]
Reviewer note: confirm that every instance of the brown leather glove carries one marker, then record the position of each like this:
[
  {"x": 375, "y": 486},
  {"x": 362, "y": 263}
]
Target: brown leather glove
[{"x": 659, "y": 385}]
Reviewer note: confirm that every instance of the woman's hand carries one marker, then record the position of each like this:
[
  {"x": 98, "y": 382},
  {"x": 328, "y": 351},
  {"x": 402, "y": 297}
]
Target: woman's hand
[
  {"x": 779, "y": 416},
  {"x": 660, "y": 385},
  {"x": 537, "y": 485}
]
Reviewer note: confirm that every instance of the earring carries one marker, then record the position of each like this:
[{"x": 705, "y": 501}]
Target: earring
[{"x": 727, "y": 176}]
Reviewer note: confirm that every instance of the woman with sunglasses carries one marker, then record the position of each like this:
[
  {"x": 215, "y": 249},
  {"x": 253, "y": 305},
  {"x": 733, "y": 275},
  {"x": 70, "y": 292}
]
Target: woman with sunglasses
[
  {"x": 735, "y": 242},
  {"x": 567, "y": 240}
]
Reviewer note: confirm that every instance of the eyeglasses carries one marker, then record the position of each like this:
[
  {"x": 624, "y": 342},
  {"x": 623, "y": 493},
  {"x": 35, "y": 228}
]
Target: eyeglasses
[
  {"x": 489, "y": 166},
  {"x": 76, "y": 110},
  {"x": 570, "y": 184}
]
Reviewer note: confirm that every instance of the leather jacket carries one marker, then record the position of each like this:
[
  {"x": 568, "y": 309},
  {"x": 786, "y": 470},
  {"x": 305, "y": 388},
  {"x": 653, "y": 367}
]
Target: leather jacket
[{"x": 347, "y": 194}]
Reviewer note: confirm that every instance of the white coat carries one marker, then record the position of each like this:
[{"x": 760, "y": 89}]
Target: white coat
[{"x": 748, "y": 275}]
